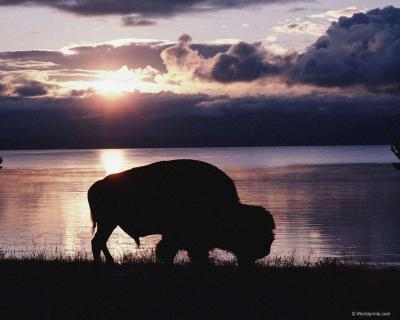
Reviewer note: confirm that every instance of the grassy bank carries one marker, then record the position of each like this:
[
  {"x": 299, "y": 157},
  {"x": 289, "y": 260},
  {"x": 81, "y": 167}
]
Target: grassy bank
[{"x": 39, "y": 287}]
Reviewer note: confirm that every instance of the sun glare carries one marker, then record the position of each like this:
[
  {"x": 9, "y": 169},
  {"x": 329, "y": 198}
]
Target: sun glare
[
  {"x": 114, "y": 83},
  {"x": 113, "y": 161}
]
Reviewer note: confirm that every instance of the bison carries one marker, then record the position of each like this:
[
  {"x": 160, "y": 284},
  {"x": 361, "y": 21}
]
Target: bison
[{"x": 192, "y": 204}]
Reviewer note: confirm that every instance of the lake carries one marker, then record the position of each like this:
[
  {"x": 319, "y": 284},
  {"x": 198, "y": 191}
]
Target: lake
[{"x": 326, "y": 201}]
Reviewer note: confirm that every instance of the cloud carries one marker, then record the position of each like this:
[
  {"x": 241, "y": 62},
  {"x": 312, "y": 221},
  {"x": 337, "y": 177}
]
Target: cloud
[
  {"x": 181, "y": 58},
  {"x": 242, "y": 62},
  {"x": 148, "y": 8},
  {"x": 78, "y": 67},
  {"x": 172, "y": 120},
  {"x": 24, "y": 86},
  {"x": 133, "y": 21},
  {"x": 356, "y": 53},
  {"x": 361, "y": 50},
  {"x": 31, "y": 89},
  {"x": 301, "y": 27}
]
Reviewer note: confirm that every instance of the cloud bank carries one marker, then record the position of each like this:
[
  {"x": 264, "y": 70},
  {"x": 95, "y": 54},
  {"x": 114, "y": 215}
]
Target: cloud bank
[{"x": 172, "y": 120}]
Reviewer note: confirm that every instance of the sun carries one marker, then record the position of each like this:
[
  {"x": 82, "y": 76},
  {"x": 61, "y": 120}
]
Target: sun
[
  {"x": 109, "y": 88},
  {"x": 114, "y": 83}
]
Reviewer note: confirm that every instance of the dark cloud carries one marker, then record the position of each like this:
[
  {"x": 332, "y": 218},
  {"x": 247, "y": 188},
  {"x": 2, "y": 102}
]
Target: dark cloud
[
  {"x": 144, "y": 8},
  {"x": 361, "y": 50},
  {"x": 19, "y": 86},
  {"x": 240, "y": 62},
  {"x": 133, "y": 21},
  {"x": 31, "y": 88},
  {"x": 171, "y": 120},
  {"x": 244, "y": 62}
]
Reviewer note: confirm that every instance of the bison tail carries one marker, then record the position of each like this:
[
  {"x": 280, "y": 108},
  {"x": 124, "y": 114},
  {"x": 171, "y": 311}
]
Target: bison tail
[
  {"x": 92, "y": 196},
  {"x": 94, "y": 222}
]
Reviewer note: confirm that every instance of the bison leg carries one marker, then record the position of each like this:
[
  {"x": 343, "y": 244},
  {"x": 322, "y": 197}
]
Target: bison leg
[
  {"x": 99, "y": 243},
  {"x": 198, "y": 256},
  {"x": 245, "y": 261},
  {"x": 166, "y": 250}
]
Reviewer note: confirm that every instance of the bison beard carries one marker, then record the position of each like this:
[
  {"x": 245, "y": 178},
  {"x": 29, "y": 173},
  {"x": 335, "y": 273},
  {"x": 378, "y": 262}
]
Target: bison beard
[{"x": 192, "y": 204}]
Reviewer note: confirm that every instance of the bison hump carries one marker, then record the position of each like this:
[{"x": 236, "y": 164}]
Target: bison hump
[{"x": 176, "y": 182}]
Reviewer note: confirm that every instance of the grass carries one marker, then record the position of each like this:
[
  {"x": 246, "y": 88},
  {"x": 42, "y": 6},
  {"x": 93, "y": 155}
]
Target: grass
[{"x": 40, "y": 286}]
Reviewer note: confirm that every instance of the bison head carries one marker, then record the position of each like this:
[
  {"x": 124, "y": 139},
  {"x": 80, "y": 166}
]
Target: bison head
[{"x": 254, "y": 227}]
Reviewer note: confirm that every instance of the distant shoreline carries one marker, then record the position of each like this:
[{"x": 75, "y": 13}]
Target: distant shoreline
[{"x": 190, "y": 147}]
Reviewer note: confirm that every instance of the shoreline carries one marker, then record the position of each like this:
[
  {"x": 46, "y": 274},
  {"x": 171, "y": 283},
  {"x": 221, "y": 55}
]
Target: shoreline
[{"x": 75, "y": 288}]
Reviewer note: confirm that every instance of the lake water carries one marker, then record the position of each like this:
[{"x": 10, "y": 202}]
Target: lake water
[{"x": 326, "y": 201}]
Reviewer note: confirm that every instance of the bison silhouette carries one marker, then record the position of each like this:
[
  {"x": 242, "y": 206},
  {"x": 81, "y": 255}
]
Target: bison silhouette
[{"x": 192, "y": 204}]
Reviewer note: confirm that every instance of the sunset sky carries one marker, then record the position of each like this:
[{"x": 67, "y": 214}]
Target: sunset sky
[{"x": 88, "y": 73}]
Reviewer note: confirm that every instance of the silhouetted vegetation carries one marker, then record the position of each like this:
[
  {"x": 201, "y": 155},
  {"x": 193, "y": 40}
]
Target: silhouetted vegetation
[
  {"x": 395, "y": 147},
  {"x": 42, "y": 287},
  {"x": 1, "y": 161}
]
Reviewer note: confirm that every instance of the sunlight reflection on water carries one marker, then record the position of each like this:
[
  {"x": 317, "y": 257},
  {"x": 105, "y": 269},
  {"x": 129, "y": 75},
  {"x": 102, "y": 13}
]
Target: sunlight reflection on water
[{"x": 113, "y": 160}]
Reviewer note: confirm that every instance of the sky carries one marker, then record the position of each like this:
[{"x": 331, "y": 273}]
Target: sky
[{"x": 102, "y": 73}]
